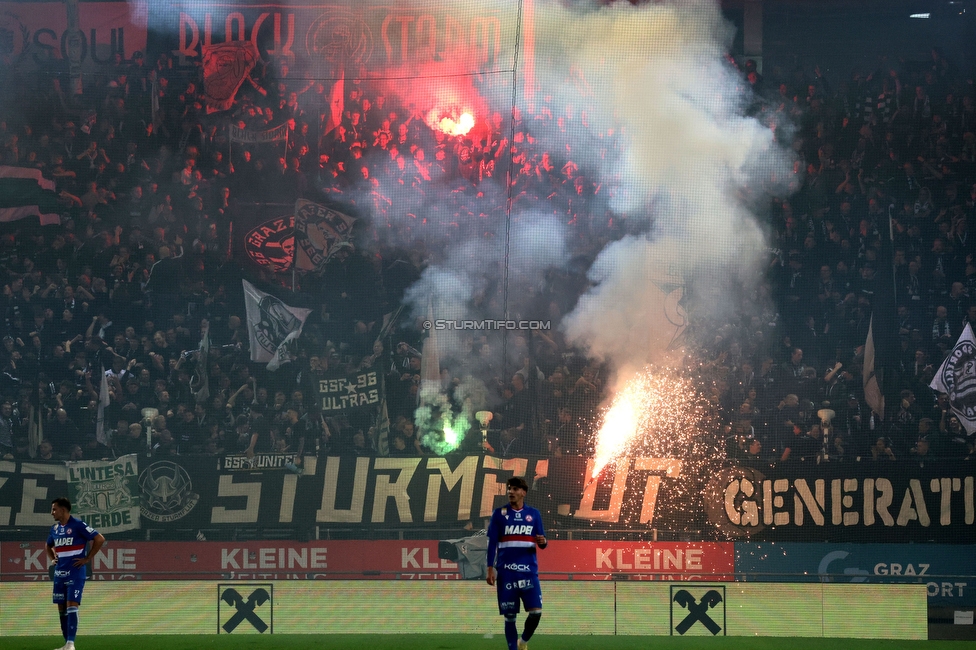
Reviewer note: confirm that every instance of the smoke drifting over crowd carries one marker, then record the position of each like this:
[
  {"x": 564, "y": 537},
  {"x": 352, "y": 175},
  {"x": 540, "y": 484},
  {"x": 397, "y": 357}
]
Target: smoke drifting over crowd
[
  {"x": 654, "y": 114},
  {"x": 690, "y": 163},
  {"x": 642, "y": 121}
]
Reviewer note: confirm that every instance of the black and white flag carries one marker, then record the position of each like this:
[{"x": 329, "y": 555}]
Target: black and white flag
[
  {"x": 956, "y": 377},
  {"x": 271, "y": 326},
  {"x": 24, "y": 192},
  {"x": 320, "y": 231}
]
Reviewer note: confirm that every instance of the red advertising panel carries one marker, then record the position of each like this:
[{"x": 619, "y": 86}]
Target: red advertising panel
[
  {"x": 350, "y": 559},
  {"x": 641, "y": 560}
]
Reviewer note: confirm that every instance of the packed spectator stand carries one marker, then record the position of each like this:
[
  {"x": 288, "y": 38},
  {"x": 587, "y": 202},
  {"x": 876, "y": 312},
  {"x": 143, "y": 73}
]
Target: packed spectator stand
[{"x": 143, "y": 261}]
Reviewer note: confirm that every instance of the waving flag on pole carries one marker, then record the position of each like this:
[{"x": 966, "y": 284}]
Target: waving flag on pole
[
  {"x": 225, "y": 67},
  {"x": 319, "y": 232},
  {"x": 24, "y": 192},
  {"x": 200, "y": 382},
  {"x": 35, "y": 430},
  {"x": 872, "y": 388},
  {"x": 956, "y": 377},
  {"x": 103, "y": 401},
  {"x": 337, "y": 104},
  {"x": 271, "y": 326}
]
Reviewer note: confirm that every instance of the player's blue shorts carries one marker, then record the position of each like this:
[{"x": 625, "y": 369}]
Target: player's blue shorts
[
  {"x": 516, "y": 587},
  {"x": 69, "y": 585}
]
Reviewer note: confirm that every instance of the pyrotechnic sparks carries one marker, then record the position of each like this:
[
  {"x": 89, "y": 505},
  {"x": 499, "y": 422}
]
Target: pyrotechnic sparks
[
  {"x": 450, "y": 122},
  {"x": 659, "y": 413}
]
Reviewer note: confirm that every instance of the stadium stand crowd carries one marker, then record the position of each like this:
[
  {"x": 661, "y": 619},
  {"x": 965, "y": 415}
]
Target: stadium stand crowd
[{"x": 142, "y": 261}]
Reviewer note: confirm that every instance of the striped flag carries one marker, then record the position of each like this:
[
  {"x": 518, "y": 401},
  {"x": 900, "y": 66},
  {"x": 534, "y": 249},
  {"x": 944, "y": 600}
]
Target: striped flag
[
  {"x": 956, "y": 377},
  {"x": 872, "y": 388},
  {"x": 24, "y": 192},
  {"x": 382, "y": 430},
  {"x": 35, "y": 430}
]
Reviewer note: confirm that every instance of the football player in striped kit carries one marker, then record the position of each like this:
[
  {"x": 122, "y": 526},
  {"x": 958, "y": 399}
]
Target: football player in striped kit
[
  {"x": 68, "y": 548},
  {"x": 513, "y": 534}
]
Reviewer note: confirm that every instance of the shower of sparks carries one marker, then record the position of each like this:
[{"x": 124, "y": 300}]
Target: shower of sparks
[{"x": 659, "y": 412}]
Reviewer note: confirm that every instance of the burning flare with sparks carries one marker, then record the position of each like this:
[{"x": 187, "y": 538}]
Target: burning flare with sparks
[
  {"x": 657, "y": 412},
  {"x": 450, "y": 122}
]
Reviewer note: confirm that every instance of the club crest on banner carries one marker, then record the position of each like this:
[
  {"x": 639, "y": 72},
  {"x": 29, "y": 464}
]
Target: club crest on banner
[
  {"x": 271, "y": 326},
  {"x": 167, "y": 492},
  {"x": 225, "y": 67},
  {"x": 271, "y": 244},
  {"x": 340, "y": 37},
  {"x": 319, "y": 233},
  {"x": 957, "y": 378}
]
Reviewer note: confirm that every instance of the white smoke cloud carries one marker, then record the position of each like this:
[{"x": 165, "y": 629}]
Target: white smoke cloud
[
  {"x": 657, "y": 75},
  {"x": 536, "y": 242},
  {"x": 654, "y": 115}
]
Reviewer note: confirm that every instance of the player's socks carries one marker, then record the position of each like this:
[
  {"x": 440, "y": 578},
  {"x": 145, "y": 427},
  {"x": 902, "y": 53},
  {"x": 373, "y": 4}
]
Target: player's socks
[
  {"x": 64, "y": 625},
  {"x": 511, "y": 632},
  {"x": 531, "y": 623},
  {"x": 71, "y": 627}
]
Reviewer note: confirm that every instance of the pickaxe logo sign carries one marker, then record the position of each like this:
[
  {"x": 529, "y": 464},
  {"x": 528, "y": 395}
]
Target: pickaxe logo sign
[
  {"x": 244, "y": 609},
  {"x": 698, "y": 610}
]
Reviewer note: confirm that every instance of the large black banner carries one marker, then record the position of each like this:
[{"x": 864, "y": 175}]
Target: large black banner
[{"x": 843, "y": 502}]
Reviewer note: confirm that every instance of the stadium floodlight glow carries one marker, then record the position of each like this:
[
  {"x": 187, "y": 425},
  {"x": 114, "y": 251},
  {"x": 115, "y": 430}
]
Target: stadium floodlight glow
[{"x": 921, "y": 15}]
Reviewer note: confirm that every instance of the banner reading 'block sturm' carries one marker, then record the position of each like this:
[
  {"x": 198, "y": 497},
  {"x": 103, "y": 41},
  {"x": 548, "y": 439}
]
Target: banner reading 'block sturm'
[
  {"x": 843, "y": 502},
  {"x": 316, "y": 38}
]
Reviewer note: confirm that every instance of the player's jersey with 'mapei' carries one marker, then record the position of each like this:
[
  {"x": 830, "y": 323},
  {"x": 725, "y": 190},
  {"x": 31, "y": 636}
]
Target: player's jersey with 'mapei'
[
  {"x": 511, "y": 539},
  {"x": 70, "y": 541}
]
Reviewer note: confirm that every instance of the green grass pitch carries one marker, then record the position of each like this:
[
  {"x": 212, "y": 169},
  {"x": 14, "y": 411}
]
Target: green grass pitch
[{"x": 460, "y": 642}]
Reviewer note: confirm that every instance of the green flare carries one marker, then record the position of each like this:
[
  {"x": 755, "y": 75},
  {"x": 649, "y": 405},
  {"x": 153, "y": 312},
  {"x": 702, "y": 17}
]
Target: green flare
[{"x": 450, "y": 437}]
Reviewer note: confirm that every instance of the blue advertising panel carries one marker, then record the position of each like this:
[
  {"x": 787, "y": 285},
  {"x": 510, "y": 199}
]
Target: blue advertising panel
[{"x": 947, "y": 570}]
